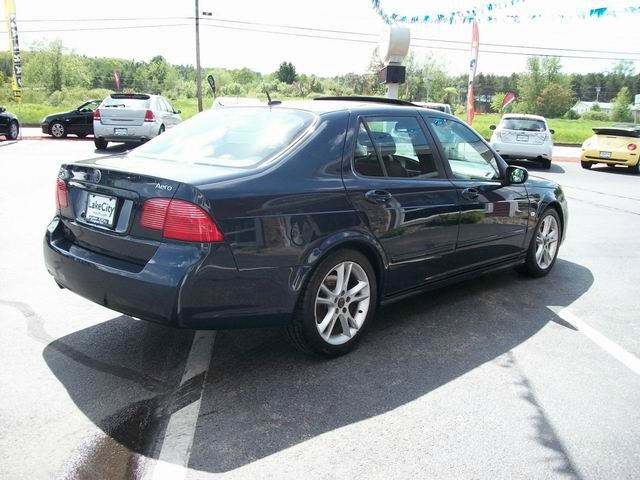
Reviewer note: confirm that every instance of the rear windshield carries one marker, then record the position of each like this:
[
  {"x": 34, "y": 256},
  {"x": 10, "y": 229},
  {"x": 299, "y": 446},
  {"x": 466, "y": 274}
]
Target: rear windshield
[
  {"x": 126, "y": 102},
  {"x": 231, "y": 137},
  {"x": 526, "y": 124}
]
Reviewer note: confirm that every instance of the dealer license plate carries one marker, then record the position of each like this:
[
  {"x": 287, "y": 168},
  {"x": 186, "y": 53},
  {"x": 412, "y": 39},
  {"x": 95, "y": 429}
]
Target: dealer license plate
[
  {"x": 120, "y": 131},
  {"x": 605, "y": 154},
  {"x": 522, "y": 138},
  {"x": 101, "y": 210}
]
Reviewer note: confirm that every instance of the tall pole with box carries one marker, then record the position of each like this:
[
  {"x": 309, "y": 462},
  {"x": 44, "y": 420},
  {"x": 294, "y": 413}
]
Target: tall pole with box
[{"x": 394, "y": 47}]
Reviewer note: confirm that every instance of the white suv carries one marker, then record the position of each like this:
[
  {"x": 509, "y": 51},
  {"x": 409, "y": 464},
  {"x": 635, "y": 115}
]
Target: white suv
[
  {"x": 132, "y": 118},
  {"x": 523, "y": 137}
]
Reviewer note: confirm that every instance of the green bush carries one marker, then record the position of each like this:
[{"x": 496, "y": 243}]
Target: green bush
[
  {"x": 599, "y": 116},
  {"x": 571, "y": 115}
]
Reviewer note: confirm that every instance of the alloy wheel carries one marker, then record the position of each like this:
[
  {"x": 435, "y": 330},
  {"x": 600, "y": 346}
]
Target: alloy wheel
[
  {"x": 342, "y": 303},
  {"x": 57, "y": 130},
  {"x": 547, "y": 238},
  {"x": 13, "y": 131}
]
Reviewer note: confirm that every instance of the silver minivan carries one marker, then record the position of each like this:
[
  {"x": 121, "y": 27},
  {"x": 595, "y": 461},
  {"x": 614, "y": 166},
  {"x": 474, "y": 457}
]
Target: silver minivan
[{"x": 132, "y": 118}]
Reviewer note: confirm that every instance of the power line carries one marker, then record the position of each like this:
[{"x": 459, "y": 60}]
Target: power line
[
  {"x": 433, "y": 47},
  {"x": 93, "y": 29},
  {"x": 335, "y": 38},
  {"x": 324, "y": 30}
]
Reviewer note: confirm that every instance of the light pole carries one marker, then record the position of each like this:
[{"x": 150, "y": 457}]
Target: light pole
[
  {"x": 598, "y": 94},
  {"x": 198, "y": 69}
]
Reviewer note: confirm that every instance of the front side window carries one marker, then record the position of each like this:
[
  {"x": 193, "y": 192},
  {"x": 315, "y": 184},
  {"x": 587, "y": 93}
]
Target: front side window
[
  {"x": 238, "y": 137},
  {"x": 468, "y": 156},
  {"x": 394, "y": 148}
]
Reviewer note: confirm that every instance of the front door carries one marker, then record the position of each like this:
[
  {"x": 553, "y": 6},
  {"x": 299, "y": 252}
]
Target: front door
[
  {"x": 494, "y": 216},
  {"x": 398, "y": 184}
]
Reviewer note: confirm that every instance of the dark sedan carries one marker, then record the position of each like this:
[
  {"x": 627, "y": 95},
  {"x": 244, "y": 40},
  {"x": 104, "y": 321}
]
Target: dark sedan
[
  {"x": 77, "y": 122},
  {"x": 9, "y": 124},
  {"x": 304, "y": 215}
]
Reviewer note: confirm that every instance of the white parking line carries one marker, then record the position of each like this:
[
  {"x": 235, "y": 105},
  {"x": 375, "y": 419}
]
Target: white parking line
[
  {"x": 628, "y": 359},
  {"x": 178, "y": 439}
]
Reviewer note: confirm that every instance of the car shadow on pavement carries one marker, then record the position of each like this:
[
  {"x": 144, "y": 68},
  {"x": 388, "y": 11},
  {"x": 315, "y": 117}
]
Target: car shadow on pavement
[
  {"x": 262, "y": 397},
  {"x": 536, "y": 167},
  {"x": 615, "y": 170}
]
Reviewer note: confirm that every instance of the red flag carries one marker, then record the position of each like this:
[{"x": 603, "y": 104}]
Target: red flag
[
  {"x": 508, "y": 98},
  {"x": 116, "y": 78},
  {"x": 475, "y": 46}
]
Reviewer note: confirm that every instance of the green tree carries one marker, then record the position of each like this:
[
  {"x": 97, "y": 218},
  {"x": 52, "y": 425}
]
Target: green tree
[
  {"x": 621, "y": 111},
  {"x": 531, "y": 85},
  {"x": 286, "y": 73},
  {"x": 496, "y": 103},
  {"x": 555, "y": 100}
]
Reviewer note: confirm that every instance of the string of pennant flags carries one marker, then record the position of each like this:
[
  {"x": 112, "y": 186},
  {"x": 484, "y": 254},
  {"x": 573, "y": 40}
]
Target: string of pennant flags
[{"x": 494, "y": 12}]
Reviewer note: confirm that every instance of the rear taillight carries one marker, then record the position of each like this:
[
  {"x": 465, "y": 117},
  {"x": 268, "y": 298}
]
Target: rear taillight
[
  {"x": 61, "y": 194},
  {"x": 179, "y": 220},
  {"x": 96, "y": 114},
  {"x": 149, "y": 116},
  {"x": 632, "y": 146}
]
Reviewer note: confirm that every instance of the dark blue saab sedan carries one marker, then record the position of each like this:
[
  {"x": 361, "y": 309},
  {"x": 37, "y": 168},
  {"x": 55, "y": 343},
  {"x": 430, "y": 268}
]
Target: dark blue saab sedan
[{"x": 303, "y": 215}]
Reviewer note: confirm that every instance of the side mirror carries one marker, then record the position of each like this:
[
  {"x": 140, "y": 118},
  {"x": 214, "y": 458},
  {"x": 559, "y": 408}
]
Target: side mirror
[
  {"x": 177, "y": 112},
  {"x": 3, "y": 109},
  {"x": 516, "y": 175},
  {"x": 492, "y": 127},
  {"x": 552, "y": 131}
]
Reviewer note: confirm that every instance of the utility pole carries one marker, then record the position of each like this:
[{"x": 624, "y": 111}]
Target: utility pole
[
  {"x": 198, "y": 70},
  {"x": 597, "y": 94}
]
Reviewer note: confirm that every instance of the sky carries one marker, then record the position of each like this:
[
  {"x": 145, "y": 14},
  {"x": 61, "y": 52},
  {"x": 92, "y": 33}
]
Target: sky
[{"x": 224, "y": 47}]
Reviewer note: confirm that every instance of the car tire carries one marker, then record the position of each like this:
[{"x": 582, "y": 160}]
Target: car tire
[
  {"x": 100, "y": 143},
  {"x": 14, "y": 131},
  {"x": 338, "y": 311},
  {"x": 586, "y": 165},
  {"x": 57, "y": 130},
  {"x": 161, "y": 130},
  {"x": 537, "y": 263},
  {"x": 635, "y": 168},
  {"x": 82, "y": 135},
  {"x": 546, "y": 164}
]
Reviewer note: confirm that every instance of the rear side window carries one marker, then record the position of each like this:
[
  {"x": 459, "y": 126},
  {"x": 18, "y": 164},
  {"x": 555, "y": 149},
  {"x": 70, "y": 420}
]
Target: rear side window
[
  {"x": 525, "y": 124},
  {"x": 231, "y": 137},
  {"x": 394, "y": 148},
  {"x": 126, "y": 102}
]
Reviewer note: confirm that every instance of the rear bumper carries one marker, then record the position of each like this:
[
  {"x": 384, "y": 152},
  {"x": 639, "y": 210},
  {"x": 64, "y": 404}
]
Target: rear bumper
[
  {"x": 135, "y": 133},
  {"x": 523, "y": 151},
  {"x": 184, "y": 285},
  {"x": 617, "y": 158}
]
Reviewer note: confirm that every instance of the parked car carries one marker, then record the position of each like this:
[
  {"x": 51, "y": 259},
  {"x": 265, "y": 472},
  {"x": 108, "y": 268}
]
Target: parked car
[
  {"x": 132, "y": 118},
  {"x": 617, "y": 145},
  {"x": 77, "y": 122},
  {"x": 441, "y": 107},
  {"x": 523, "y": 137},
  {"x": 305, "y": 215},
  {"x": 9, "y": 124}
]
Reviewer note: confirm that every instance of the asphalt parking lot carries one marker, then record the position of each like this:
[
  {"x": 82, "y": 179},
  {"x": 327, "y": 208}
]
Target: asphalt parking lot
[{"x": 500, "y": 377}]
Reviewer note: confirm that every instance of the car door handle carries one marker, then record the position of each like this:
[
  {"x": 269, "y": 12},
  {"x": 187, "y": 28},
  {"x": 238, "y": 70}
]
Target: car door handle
[
  {"x": 379, "y": 197},
  {"x": 470, "y": 193}
]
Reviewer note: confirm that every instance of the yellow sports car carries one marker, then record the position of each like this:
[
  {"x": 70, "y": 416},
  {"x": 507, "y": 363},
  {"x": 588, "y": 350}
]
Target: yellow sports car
[{"x": 617, "y": 145}]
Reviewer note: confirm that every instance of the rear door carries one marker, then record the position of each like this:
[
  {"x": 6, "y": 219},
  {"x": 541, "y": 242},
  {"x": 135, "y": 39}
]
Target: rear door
[
  {"x": 398, "y": 184},
  {"x": 494, "y": 216},
  {"x": 173, "y": 118}
]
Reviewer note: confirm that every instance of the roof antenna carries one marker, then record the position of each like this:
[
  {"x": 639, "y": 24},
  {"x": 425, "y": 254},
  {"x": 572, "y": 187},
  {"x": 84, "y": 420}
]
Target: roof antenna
[{"x": 271, "y": 102}]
